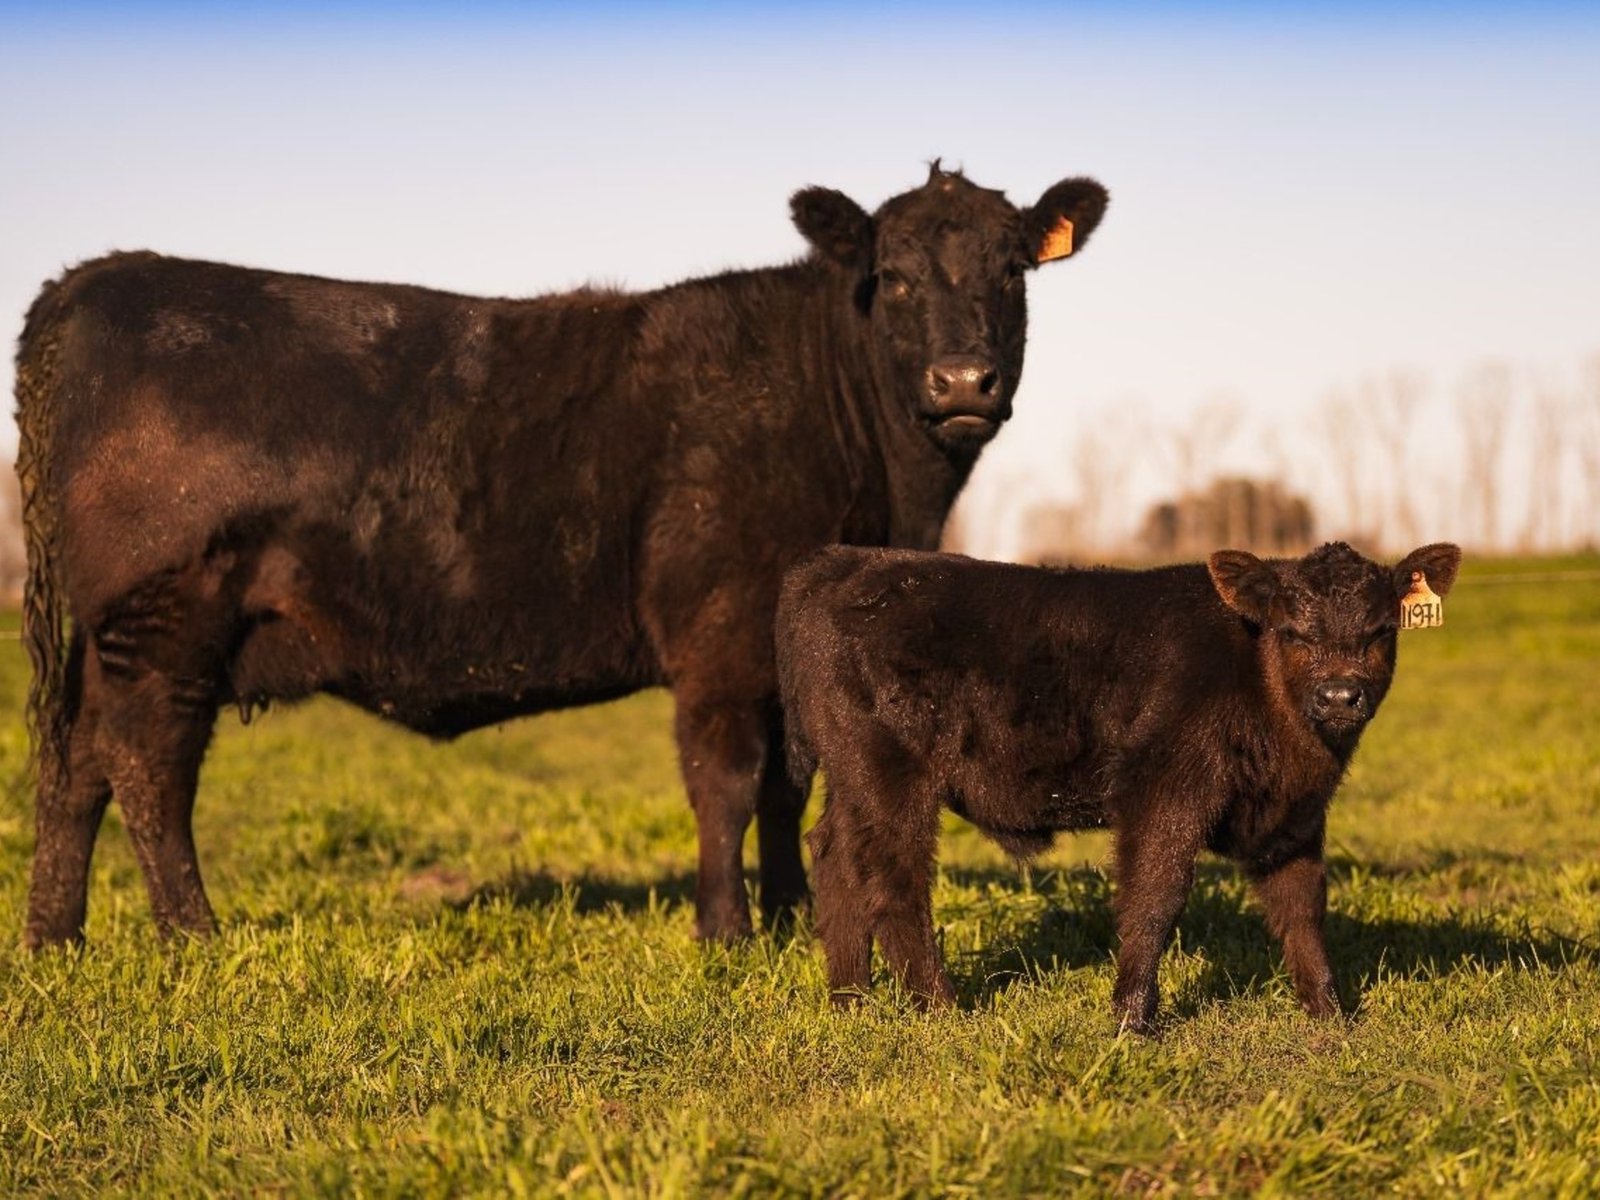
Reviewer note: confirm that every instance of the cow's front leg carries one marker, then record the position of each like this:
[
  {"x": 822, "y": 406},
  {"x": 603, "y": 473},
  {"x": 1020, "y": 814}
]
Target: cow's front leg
[
  {"x": 1155, "y": 871},
  {"x": 723, "y": 748},
  {"x": 1294, "y": 894}
]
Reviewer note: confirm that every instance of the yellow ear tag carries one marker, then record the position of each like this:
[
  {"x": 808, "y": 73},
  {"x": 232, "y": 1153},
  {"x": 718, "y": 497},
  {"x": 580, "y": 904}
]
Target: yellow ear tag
[
  {"x": 1420, "y": 608},
  {"x": 1058, "y": 242}
]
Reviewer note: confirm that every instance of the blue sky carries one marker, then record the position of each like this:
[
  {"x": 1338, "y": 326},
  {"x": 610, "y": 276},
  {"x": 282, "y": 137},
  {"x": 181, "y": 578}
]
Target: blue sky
[{"x": 1301, "y": 194}]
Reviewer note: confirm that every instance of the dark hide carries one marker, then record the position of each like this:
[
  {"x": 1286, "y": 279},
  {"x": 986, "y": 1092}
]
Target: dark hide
[
  {"x": 1185, "y": 708},
  {"x": 244, "y": 487}
]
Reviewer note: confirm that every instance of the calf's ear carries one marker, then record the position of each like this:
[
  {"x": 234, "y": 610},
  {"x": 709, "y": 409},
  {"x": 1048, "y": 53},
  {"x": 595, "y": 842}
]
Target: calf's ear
[
  {"x": 835, "y": 225},
  {"x": 1244, "y": 582},
  {"x": 1438, "y": 564},
  {"x": 1063, "y": 219}
]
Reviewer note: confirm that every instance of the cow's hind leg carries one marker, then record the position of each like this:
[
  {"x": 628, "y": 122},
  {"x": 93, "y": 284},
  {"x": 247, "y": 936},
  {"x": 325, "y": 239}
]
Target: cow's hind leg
[
  {"x": 151, "y": 741},
  {"x": 72, "y": 799},
  {"x": 780, "y": 805},
  {"x": 161, "y": 663}
]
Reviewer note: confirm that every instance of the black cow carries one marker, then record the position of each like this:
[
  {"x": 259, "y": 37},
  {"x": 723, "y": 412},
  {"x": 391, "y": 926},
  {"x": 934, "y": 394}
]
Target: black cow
[
  {"x": 244, "y": 487},
  {"x": 1183, "y": 707}
]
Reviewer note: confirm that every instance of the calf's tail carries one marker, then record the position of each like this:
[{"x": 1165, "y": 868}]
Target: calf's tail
[{"x": 43, "y": 610}]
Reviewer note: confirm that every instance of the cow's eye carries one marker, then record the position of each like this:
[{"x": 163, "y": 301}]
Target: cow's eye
[
  {"x": 1378, "y": 636},
  {"x": 894, "y": 284},
  {"x": 1293, "y": 636},
  {"x": 1014, "y": 274}
]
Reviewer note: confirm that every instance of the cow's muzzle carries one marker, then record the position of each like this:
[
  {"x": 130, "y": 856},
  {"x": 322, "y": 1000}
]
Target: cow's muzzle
[{"x": 964, "y": 395}]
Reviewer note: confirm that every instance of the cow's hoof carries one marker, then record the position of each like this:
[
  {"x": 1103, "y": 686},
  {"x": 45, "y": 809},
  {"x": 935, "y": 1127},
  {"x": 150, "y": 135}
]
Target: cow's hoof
[
  {"x": 725, "y": 931},
  {"x": 39, "y": 938}
]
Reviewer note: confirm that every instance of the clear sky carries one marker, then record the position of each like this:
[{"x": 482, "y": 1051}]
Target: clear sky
[{"x": 1301, "y": 194}]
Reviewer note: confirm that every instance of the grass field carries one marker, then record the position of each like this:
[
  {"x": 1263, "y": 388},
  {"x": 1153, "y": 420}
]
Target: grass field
[{"x": 470, "y": 969}]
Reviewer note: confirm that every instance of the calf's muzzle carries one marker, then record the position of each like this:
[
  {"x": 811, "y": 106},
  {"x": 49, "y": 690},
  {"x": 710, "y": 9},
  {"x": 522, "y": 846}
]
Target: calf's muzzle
[{"x": 1341, "y": 700}]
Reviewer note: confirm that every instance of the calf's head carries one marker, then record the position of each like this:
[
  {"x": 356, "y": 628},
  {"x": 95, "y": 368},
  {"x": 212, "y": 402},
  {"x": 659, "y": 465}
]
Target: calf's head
[
  {"x": 1326, "y": 625},
  {"x": 938, "y": 276}
]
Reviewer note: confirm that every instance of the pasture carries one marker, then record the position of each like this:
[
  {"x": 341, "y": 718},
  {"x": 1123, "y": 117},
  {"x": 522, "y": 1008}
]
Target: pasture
[{"x": 470, "y": 968}]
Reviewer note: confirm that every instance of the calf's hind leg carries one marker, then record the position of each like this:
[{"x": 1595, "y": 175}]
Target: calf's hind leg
[
  {"x": 873, "y": 862},
  {"x": 840, "y": 907},
  {"x": 72, "y": 799}
]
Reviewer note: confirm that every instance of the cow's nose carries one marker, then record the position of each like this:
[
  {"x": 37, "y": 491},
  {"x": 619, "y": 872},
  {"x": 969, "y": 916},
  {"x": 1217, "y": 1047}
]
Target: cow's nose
[
  {"x": 964, "y": 383},
  {"x": 1341, "y": 698}
]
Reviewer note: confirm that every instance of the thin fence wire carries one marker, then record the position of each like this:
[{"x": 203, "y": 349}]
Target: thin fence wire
[{"x": 13, "y": 635}]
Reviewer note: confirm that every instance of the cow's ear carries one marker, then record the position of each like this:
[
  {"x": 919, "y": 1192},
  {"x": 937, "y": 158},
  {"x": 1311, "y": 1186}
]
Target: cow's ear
[
  {"x": 1244, "y": 582},
  {"x": 1063, "y": 219},
  {"x": 835, "y": 225},
  {"x": 1438, "y": 564}
]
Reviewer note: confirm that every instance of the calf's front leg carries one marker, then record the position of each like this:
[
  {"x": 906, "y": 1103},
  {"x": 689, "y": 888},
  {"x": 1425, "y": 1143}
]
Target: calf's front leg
[
  {"x": 1155, "y": 870},
  {"x": 1294, "y": 894}
]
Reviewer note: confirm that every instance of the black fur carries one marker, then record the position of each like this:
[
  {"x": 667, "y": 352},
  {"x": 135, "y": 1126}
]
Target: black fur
[
  {"x": 245, "y": 487},
  {"x": 1187, "y": 708}
]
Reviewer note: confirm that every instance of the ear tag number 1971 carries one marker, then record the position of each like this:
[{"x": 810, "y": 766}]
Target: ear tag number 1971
[{"x": 1420, "y": 608}]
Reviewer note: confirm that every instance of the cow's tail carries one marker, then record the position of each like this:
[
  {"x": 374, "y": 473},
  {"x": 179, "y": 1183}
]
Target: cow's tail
[
  {"x": 43, "y": 615},
  {"x": 799, "y": 755}
]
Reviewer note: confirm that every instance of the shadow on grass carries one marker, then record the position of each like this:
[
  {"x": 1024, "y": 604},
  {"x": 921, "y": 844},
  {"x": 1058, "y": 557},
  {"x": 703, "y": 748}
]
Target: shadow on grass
[
  {"x": 589, "y": 893},
  {"x": 1076, "y": 930},
  {"x": 598, "y": 894}
]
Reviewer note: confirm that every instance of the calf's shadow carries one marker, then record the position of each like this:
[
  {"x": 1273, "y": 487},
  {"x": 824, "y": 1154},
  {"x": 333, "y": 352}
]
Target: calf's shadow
[{"x": 1076, "y": 930}]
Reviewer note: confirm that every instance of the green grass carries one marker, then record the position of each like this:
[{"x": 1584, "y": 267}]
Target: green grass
[{"x": 470, "y": 969}]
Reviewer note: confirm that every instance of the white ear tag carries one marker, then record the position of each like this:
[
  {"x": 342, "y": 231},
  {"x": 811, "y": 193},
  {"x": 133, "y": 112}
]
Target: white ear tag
[{"x": 1420, "y": 608}]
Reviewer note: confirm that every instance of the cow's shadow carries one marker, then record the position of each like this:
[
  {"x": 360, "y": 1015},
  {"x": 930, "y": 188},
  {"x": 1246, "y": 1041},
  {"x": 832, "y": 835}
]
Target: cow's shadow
[
  {"x": 1075, "y": 930},
  {"x": 587, "y": 894}
]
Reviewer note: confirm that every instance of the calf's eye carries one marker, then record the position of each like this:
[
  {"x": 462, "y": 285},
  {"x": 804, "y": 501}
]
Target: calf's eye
[
  {"x": 894, "y": 285},
  {"x": 1379, "y": 636},
  {"x": 1293, "y": 636}
]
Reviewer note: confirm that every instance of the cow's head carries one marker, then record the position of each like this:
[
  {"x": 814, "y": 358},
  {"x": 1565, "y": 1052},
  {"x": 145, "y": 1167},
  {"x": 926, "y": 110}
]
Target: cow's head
[
  {"x": 939, "y": 273},
  {"x": 1326, "y": 626}
]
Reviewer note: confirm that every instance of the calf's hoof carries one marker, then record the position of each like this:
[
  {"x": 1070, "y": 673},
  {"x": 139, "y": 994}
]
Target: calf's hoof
[
  {"x": 1324, "y": 1005},
  {"x": 1136, "y": 1014}
]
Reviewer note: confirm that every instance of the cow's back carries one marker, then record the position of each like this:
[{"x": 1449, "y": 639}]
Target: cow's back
[{"x": 449, "y": 481}]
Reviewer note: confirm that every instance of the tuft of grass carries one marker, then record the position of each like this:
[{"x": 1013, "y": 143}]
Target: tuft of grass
[{"x": 470, "y": 969}]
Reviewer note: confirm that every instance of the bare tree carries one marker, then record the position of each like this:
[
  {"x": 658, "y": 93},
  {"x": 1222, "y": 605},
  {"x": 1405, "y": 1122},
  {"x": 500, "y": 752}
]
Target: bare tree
[
  {"x": 1587, "y": 444},
  {"x": 1194, "y": 446},
  {"x": 1546, "y": 463},
  {"x": 1389, "y": 405},
  {"x": 1102, "y": 460},
  {"x": 1484, "y": 403},
  {"x": 1341, "y": 449}
]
